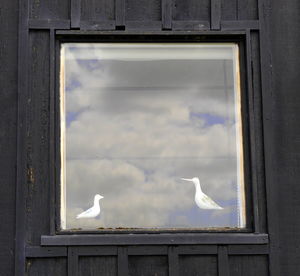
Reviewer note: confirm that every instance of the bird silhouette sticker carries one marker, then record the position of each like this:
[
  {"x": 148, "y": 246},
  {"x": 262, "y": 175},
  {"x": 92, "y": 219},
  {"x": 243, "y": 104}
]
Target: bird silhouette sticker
[
  {"x": 202, "y": 200},
  {"x": 93, "y": 211}
]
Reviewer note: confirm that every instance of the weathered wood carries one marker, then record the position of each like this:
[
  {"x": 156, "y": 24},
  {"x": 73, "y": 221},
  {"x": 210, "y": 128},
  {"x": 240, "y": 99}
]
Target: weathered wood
[
  {"x": 173, "y": 261},
  {"x": 248, "y": 265},
  {"x": 223, "y": 264},
  {"x": 72, "y": 261},
  {"x": 48, "y": 24},
  {"x": 97, "y": 10},
  {"x": 143, "y": 10},
  {"x": 38, "y": 198},
  {"x": 198, "y": 265},
  {"x": 240, "y": 25},
  {"x": 247, "y": 9},
  {"x": 185, "y": 238},
  {"x": 190, "y": 10},
  {"x": 285, "y": 155},
  {"x": 42, "y": 252},
  {"x": 120, "y": 13},
  {"x": 122, "y": 261},
  {"x": 21, "y": 171},
  {"x": 166, "y": 14},
  {"x": 248, "y": 249},
  {"x": 94, "y": 266},
  {"x": 8, "y": 132},
  {"x": 215, "y": 17},
  {"x": 46, "y": 267},
  {"x": 54, "y": 9},
  {"x": 146, "y": 266}
]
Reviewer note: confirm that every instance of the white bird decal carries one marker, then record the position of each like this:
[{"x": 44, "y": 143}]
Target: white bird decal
[
  {"x": 93, "y": 211},
  {"x": 202, "y": 200}
]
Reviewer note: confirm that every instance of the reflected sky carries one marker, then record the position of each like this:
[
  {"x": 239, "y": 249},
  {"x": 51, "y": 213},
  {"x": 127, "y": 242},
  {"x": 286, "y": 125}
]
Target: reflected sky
[{"x": 141, "y": 116}]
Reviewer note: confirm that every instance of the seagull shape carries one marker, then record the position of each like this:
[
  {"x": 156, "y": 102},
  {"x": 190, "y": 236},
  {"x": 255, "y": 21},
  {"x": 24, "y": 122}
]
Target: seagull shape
[
  {"x": 93, "y": 211},
  {"x": 202, "y": 200}
]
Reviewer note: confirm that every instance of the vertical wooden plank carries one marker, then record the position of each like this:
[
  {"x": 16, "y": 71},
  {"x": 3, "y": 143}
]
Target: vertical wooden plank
[
  {"x": 173, "y": 261},
  {"x": 96, "y": 265},
  {"x": 120, "y": 13},
  {"x": 270, "y": 147},
  {"x": 75, "y": 14},
  {"x": 37, "y": 197},
  {"x": 198, "y": 265},
  {"x": 247, "y": 9},
  {"x": 148, "y": 265},
  {"x": 51, "y": 131},
  {"x": 223, "y": 264},
  {"x": 8, "y": 131},
  {"x": 257, "y": 99},
  {"x": 249, "y": 265},
  {"x": 166, "y": 14},
  {"x": 122, "y": 261},
  {"x": 21, "y": 139},
  {"x": 215, "y": 18},
  {"x": 143, "y": 10},
  {"x": 252, "y": 132},
  {"x": 285, "y": 207},
  {"x": 72, "y": 261},
  {"x": 229, "y": 9}
]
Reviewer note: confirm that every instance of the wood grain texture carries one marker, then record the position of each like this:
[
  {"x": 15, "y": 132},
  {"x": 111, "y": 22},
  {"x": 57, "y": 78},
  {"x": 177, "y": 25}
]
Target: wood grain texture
[
  {"x": 97, "y": 10},
  {"x": 37, "y": 198},
  {"x": 285, "y": 41},
  {"x": 248, "y": 266},
  {"x": 247, "y": 9},
  {"x": 54, "y": 9},
  {"x": 46, "y": 267},
  {"x": 143, "y": 10},
  {"x": 8, "y": 131},
  {"x": 93, "y": 266},
  {"x": 194, "y": 265},
  {"x": 148, "y": 266},
  {"x": 191, "y": 10}
]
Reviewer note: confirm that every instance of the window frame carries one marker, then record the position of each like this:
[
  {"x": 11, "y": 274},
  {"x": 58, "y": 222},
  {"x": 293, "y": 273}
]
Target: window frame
[{"x": 249, "y": 146}]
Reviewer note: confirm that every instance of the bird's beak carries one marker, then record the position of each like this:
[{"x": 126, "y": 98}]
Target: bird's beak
[{"x": 186, "y": 179}]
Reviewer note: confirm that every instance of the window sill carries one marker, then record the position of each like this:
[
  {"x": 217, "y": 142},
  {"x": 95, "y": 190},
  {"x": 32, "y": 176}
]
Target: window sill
[{"x": 155, "y": 239}]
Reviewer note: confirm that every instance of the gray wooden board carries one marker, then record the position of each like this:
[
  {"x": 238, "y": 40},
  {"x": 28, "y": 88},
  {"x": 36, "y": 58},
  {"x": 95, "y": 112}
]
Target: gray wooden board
[
  {"x": 194, "y": 265},
  {"x": 191, "y": 10},
  {"x": 92, "y": 266},
  {"x": 8, "y": 131},
  {"x": 285, "y": 41},
  {"x": 46, "y": 267},
  {"x": 143, "y": 10},
  {"x": 148, "y": 266},
  {"x": 249, "y": 266},
  {"x": 37, "y": 207},
  {"x": 96, "y": 10},
  {"x": 54, "y": 9}
]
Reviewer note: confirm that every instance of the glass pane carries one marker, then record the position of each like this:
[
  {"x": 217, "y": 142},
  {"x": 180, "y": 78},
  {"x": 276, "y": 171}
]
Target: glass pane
[{"x": 155, "y": 129}]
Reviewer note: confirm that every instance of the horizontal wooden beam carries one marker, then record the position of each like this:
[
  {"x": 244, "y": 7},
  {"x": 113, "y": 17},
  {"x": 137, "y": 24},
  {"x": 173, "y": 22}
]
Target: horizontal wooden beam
[
  {"x": 48, "y": 24},
  {"x": 98, "y": 25},
  {"x": 154, "y": 32},
  {"x": 152, "y": 239},
  {"x": 240, "y": 25},
  {"x": 262, "y": 249},
  {"x": 44, "y": 252}
]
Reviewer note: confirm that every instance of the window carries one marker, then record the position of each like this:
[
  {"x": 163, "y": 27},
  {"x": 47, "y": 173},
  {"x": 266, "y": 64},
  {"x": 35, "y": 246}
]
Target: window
[{"x": 141, "y": 123}]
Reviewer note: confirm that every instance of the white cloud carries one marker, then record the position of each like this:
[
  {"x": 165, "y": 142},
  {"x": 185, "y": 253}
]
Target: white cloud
[{"x": 132, "y": 146}]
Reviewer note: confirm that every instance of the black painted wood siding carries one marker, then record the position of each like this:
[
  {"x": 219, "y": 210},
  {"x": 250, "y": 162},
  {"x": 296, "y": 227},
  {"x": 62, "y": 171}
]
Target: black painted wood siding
[{"x": 27, "y": 136}]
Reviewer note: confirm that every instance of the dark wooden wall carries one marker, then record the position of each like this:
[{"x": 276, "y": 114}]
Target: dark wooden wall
[{"x": 27, "y": 78}]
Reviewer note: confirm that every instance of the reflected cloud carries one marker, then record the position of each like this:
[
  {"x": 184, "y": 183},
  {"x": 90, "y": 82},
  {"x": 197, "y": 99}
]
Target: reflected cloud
[{"x": 135, "y": 127}]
